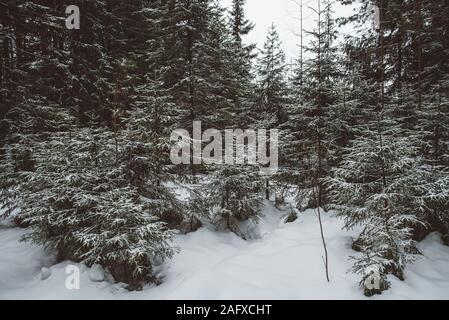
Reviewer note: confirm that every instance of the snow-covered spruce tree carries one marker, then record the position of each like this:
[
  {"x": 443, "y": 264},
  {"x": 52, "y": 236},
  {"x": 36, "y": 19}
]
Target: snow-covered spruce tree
[
  {"x": 310, "y": 133},
  {"x": 241, "y": 27},
  {"x": 233, "y": 194},
  {"x": 271, "y": 92},
  {"x": 272, "y": 86},
  {"x": 415, "y": 38},
  {"x": 94, "y": 197},
  {"x": 226, "y": 92},
  {"x": 374, "y": 187},
  {"x": 242, "y": 55},
  {"x": 148, "y": 147}
]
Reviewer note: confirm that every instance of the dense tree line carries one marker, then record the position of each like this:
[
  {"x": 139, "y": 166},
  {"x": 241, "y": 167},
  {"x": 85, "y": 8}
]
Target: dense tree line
[{"x": 86, "y": 117}]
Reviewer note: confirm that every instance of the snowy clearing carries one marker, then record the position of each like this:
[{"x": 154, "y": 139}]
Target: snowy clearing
[{"x": 285, "y": 262}]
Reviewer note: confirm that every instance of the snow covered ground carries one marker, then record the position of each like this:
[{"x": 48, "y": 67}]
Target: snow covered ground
[{"x": 283, "y": 262}]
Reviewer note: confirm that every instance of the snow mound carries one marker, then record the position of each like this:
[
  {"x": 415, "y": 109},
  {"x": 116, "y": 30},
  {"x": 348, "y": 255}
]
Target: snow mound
[
  {"x": 45, "y": 273},
  {"x": 96, "y": 273}
]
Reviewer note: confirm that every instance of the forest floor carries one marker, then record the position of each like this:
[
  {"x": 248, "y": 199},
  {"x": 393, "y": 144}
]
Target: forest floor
[{"x": 281, "y": 261}]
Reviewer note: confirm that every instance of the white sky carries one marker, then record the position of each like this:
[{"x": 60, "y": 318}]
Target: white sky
[{"x": 285, "y": 15}]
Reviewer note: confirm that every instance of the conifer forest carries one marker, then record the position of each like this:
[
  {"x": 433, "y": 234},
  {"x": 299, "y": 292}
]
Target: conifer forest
[{"x": 150, "y": 150}]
